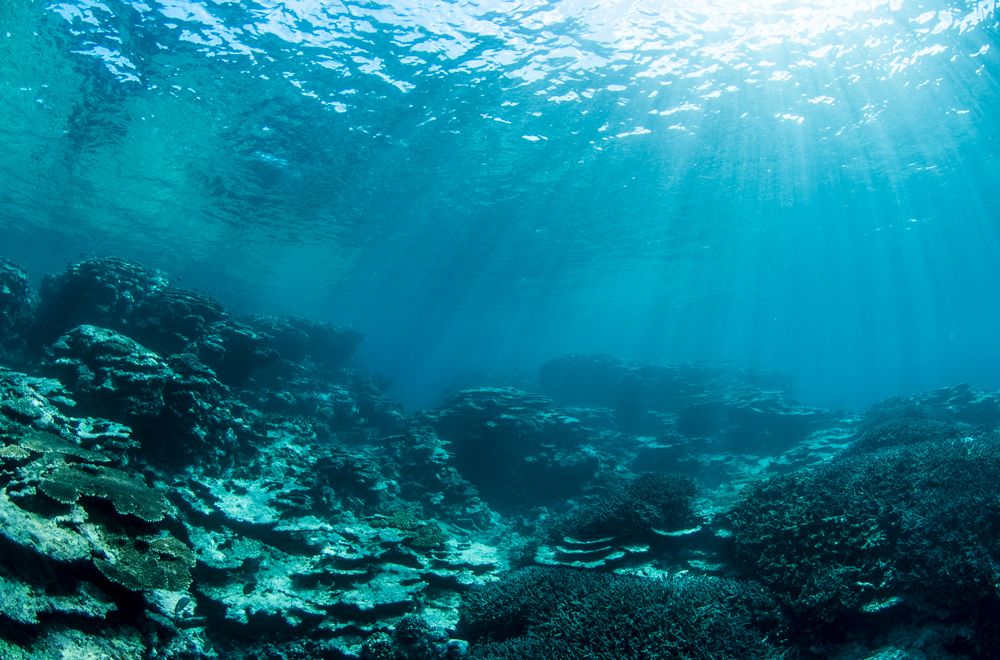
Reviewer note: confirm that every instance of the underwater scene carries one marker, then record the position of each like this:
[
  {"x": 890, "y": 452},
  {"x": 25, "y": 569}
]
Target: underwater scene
[{"x": 499, "y": 330}]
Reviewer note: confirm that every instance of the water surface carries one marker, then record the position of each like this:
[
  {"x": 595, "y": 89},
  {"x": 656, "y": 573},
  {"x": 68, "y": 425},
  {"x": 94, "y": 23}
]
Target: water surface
[{"x": 482, "y": 186}]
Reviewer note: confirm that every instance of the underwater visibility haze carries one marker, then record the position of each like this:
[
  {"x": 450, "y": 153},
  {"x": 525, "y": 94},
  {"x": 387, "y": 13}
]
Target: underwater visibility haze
[
  {"x": 483, "y": 186},
  {"x": 499, "y": 330}
]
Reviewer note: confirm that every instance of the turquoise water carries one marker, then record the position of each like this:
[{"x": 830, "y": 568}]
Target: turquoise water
[{"x": 482, "y": 186}]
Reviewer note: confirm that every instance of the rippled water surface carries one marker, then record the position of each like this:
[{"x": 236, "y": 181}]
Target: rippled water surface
[{"x": 812, "y": 186}]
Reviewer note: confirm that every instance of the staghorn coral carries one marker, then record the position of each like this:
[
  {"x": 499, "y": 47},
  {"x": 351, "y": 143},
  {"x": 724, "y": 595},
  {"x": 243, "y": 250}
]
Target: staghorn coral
[{"x": 564, "y": 614}]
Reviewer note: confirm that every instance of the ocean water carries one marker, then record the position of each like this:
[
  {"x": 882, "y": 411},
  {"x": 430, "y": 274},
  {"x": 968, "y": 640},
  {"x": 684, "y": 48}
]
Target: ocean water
[{"x": 479, "y": 187}]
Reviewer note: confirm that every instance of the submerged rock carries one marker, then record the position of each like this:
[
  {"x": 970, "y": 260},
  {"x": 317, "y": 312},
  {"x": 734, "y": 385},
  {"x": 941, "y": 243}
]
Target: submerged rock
[
  {"x": 633, "y": 387},
  {"x": 300, "y": 340},
  {"x": 178, "y": 411},
  {"x": 81, "y": 533},
  {"x": 956, "y": 404},
  {"x": 515, "y": 447},
  {"x": 18, "y": 303},
  {"x": 743, "y": 409},
  {"x": 104, "y": 292}
]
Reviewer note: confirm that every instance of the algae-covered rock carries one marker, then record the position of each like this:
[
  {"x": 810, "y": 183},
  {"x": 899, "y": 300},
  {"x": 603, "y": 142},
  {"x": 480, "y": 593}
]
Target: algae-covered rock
[
  {"x": 24, "y": 603},
  {"x": 743, "y": 406},
  {"x": 40, "y": 535},
  {"x": 139, "y": 302},
  {"x": 424, "y": 472},
  {"x": 31, "y": 400},
  {"x": 297, "y": 339},
  {"x": 635, "y": 509}
]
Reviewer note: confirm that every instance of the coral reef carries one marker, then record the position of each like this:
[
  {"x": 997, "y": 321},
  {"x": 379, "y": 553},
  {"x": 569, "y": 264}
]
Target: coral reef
[
  {"x": 181, "y": 483},
  {"x": 909, "y": 527}
]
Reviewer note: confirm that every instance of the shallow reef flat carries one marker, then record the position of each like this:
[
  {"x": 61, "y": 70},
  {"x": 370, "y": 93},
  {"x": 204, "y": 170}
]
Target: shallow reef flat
[{"x": 182, "y": 483}]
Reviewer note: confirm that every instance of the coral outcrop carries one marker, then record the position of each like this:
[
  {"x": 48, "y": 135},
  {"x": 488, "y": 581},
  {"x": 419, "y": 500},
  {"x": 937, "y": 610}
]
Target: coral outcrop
[
  {"x": 18, "y": 303},
  {"x": 514, "y": 446},
  {"x": 910, "y": 528}
]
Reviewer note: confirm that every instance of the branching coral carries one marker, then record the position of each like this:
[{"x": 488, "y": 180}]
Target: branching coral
[{"x": 581, "y": 615}]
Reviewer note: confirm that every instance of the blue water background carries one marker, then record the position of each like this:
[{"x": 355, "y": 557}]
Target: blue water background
[{"x": 481, "y": 186}]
